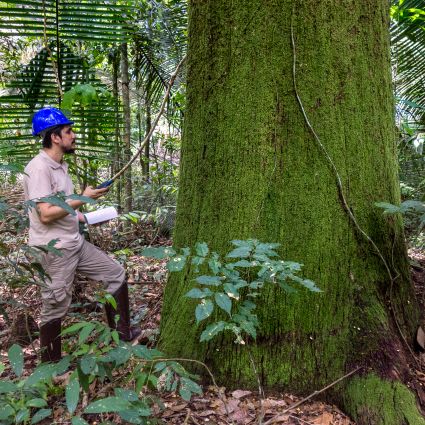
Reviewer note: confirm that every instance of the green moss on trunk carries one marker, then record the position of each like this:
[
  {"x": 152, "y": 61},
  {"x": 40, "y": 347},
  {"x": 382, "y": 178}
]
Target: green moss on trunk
[
  {"x": 371, "y": 400},
  {"x": 251, "y": 169}
]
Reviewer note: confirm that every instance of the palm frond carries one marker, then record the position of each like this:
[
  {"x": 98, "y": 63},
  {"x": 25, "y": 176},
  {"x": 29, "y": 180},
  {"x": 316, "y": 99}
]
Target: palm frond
[
  {"x": 36, "y": 86},
  {"x": 408, "y": 51},
  {"x": 92, "y": 20}
]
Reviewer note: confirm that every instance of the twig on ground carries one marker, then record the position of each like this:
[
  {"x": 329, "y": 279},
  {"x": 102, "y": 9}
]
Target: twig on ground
[
  {"x": 298, "y": 403},
  {"x": 300, "y": 420},
  {"x": 186, "y": 419}
]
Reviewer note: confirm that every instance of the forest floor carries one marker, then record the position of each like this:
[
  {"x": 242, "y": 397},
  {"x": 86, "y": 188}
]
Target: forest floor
[{"x": 147, "y": 278}]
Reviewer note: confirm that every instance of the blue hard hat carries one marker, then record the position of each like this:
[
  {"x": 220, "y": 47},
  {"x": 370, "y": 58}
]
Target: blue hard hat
[{"x": 47, "y": 118}]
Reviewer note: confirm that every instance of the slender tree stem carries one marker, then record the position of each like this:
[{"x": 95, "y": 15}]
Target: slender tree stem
[{"x": 155, "y": 123}]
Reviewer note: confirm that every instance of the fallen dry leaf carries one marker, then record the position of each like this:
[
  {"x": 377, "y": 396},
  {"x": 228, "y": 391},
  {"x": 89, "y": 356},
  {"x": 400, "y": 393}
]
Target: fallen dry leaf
[
  {"x": 240, "y": 394},
  {"x": 325, "y": 418},
  {"x": 206, "y": 413},
  {"x": 178, "y": 407}
]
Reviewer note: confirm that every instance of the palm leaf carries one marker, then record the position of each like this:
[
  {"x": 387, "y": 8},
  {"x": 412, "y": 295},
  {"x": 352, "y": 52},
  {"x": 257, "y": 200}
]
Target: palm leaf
[
  {"x": 408, "y": 51},
  {"x": 92, "y": 20}
]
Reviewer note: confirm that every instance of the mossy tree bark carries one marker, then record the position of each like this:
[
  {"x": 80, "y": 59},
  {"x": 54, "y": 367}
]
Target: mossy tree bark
[{"x": 252, "y": 169}]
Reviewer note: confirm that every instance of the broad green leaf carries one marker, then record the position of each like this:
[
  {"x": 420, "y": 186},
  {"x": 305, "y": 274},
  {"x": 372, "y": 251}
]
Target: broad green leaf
[
  {"x": 245, "y": 263},
  {"x": 108, "y": 404},
  {"x": 132, "y": 416},
  {"x": 214, "y": 263},
  {"x": 13, "y": 168},
  {"x": 74, "y": 328},
  {"x": 83, "y": 379},
  {"x": 137, "y": 414},
  {"x": 63, "y": 365},
  {"x": 36, "y": 402},
  {"x": 197, "y": 261},
  {"x": 22, "y": 416},
  {"x": 256, "y": 284},
  {"x": 224, "y": 302},
  {"x": 201, "y": 249},
  {"x": 125, "y": 394},
  {"x": 111, "y": 300},
  {"x": 249, "y": 243},
  {"x": 41, "y": 373},
  {"x": 119, "y": 355},
  {"x": 85, "y": 332},
  {"x": 187, "y": 387},
  {"x": 309, "y": 284},
  {"x": 76, "y": 420},
  {"x": 388, "y": 208},
  {"x": 417, "y": 206},
  {"x": 287, "y": 288},
  {"x": 264, "y": 247},
  {"x": 144, "y": 379},
  {"x": 247, "y": 306},
  {"x": 56, "y": 200},
  {"x": 7, "y": 387},
  {"x": 16, "y": 359},
  {"x": 185, "y": 393},
  {"x": 231, "y": 290},
  {"x": 159, "y": 253},
  {"x": 203, "y": 310},
  {"x": 50, "y": 247},
  {"x": 143, "y": 352},
  {"x": 88, "y": 364},
  {"x": 176, "y": 264},
  {"x": 81, "y": 198},
  {"x": 40, "y": 415},
  {"x": 240, "y": 252},
  {"x": 199, "y": 293},
  {"x": 212, "y": 330},
  {"x": 249, "y": 327},
  {"x": 208, "y": 280},
  {"x": 160, "y": 366},
  {"x": 6, "y": 411},
  {"x": 72, "y": 395}
]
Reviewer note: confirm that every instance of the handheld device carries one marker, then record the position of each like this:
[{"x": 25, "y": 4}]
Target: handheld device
[{"x": 104, "y": 184}]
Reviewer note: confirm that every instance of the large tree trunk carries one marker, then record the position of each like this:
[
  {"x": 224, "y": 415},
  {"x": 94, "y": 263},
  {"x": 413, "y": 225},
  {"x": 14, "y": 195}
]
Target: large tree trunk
[{"x": 252, "y": 168}]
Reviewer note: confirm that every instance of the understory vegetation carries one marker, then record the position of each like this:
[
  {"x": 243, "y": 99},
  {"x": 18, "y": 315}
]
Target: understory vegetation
[{"x": 74, "y": 56}]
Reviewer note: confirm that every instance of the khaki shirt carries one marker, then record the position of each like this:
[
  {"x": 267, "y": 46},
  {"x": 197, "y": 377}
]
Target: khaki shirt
[{"x": 44, "y": 177}]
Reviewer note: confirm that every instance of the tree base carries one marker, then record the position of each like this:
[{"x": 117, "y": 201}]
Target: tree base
[{"x": 370, "y": 400}]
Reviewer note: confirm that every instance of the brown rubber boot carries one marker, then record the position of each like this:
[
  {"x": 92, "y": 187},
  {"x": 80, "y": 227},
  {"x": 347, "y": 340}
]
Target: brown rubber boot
[
  {"x": 50, "y": 341},
  {"x": 125, "y": 332}
]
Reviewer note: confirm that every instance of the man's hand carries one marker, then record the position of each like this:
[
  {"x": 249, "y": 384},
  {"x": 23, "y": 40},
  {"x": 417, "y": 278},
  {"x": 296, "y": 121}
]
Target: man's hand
[
  {"x": 81, "y": 217},
  {"x": 93, "y": 193}
]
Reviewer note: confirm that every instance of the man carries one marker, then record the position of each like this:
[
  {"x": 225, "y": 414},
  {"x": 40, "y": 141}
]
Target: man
[{"x": 47, "y": 174}]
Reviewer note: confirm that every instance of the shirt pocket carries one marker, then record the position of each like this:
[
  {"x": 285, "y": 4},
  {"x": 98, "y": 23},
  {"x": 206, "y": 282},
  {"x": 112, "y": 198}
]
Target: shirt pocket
[{"x": 57, "y": 184}]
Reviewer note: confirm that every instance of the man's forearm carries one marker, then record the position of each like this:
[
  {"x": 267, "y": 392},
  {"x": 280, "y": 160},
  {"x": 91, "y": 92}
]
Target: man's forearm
[{"x": 49, "y": 213}]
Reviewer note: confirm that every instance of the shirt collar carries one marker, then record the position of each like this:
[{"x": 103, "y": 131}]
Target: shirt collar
[{"x": 52, "y": 163}]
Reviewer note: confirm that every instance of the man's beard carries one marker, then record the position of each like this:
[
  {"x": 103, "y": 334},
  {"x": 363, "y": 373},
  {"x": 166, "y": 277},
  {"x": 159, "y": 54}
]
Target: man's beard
[{"x": 68, "y": 150}]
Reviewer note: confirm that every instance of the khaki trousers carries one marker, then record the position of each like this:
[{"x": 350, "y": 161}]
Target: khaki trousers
[{"x": 86, "y": 259}]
